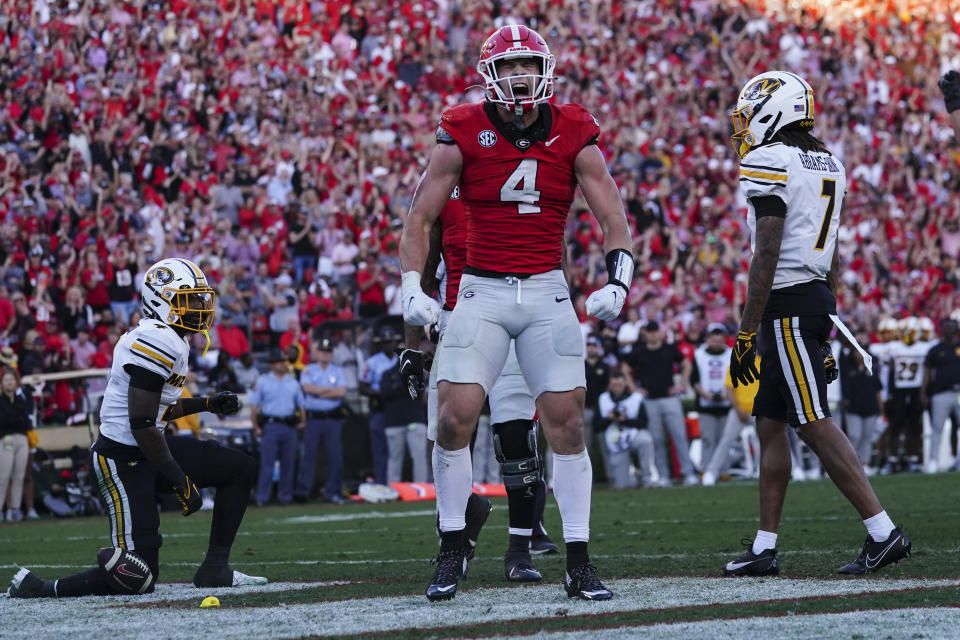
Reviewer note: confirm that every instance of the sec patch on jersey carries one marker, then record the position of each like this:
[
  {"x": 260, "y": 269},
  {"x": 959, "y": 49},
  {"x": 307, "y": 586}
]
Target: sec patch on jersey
[{"x": 124, "y": 571}]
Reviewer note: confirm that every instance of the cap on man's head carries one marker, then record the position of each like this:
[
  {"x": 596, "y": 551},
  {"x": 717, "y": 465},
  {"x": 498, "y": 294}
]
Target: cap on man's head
[
  {"x": 716, "y": 327},
  {"x": 653, "y": 325},
  {"x": 8, "y": 357},
  {"x": 594, "y": 340},
  {"x": 276, "y": 355},
  {"x": 325, "y": 344}
]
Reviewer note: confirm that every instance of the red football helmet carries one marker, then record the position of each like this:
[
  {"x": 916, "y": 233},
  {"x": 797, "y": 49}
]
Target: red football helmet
[{"x": 511, "y": 42}]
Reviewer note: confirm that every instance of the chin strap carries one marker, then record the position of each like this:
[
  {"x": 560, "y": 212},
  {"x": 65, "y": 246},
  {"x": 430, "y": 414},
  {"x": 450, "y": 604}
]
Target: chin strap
[
  {"x": 517, "y": 114},
  {"x": 206, "y": 334}
]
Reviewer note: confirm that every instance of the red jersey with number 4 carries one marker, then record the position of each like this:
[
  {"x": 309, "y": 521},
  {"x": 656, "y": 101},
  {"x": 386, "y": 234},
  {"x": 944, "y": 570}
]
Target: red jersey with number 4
[
  {"x": 453, "y": 245},
  {"x": 517, "y": 190}
]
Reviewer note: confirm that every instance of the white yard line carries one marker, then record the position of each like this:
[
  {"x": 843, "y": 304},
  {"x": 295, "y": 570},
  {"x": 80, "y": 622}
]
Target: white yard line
[
  {"x": 88, "y": 617},
  {"x": 938, "y": 623}
]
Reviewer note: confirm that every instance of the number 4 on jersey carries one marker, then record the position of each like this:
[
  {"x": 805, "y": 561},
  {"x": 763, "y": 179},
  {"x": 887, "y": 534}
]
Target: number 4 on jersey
[{"x": 520, "y": 187}]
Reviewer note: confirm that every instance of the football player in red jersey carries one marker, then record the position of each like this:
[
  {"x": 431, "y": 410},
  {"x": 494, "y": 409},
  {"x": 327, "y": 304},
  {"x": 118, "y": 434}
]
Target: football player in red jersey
[
  {"x": 512, "y": 410},
  {"x": 517, "y": 161}
]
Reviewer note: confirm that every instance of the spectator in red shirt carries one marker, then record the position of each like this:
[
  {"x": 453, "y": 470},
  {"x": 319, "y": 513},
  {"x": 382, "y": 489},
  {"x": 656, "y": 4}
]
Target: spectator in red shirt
[
  {"x": 233, "y": 339},
  {"x": 8, "y": 317},
  {"x": 370, "y": 282},
  {"x": 296, "y": 335},
  {"x": 95, "y": 279}
]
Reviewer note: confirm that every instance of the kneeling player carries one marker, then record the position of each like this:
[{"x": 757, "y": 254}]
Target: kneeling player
[{"x": 132, "y": 459}]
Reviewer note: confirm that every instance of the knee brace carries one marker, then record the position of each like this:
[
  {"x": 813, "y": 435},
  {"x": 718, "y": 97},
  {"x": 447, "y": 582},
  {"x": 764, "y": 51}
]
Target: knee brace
[{"x": 515, "y": 445}]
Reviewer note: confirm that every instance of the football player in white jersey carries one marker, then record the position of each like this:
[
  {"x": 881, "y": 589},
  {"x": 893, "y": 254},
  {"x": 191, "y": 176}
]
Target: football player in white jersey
[
  {"x": 131, "y": 457},
  {"x": 905, "y": 359},
  {"x": 794, "y": 188}
]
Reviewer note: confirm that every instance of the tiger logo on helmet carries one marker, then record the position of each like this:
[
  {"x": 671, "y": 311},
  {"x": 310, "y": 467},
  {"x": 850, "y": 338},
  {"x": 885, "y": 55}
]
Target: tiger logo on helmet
[
  {"x": 768, "y": 103},
  {"x": 176, "y": 292}
]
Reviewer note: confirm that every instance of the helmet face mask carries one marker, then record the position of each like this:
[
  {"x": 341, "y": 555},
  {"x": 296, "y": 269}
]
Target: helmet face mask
[
  {"x": 520, "y": 92},
  {"x": 176, "y": 292},
  {"x": 768, "y": 103}
]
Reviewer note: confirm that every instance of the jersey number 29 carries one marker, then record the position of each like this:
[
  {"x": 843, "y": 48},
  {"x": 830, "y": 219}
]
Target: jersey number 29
[{"x": 520, "y": 187}]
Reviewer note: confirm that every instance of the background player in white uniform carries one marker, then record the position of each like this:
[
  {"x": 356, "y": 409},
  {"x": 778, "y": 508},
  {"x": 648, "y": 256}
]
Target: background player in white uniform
[
  {"x": 794, "y": 188},
  {"x": 905, "y": 359},
  {"x": 131, "y": 456}
]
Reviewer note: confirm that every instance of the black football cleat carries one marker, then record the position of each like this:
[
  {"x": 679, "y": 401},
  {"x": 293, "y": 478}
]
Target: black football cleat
[
  {"x": 876, "y": 555},
  {"x": 451, "y": 567},
  {"x": 542, "y": 545},
  {"x": 582, "y": 582},
  {"x": 478, "y": 510},
  {"x": 753, "y": 564},
  {"x": 518, "y": 567},
  {"x": 27, "y": 585}
]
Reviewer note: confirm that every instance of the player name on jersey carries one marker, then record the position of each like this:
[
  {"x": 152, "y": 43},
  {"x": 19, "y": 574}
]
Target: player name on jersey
[{"x": 818, "y": 163}]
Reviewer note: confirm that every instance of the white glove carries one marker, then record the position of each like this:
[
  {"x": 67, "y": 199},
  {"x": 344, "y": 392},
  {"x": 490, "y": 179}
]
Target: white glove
[
  {"x": 419, "y": 309},
  {"x": 605, "y": 304}
]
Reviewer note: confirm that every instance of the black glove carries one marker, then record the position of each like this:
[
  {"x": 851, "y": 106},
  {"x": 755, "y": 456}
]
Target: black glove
[
  {"x": 829, "y": 362},
  {"x": 189, "y": 497},
  {"x": 743, "y": 370},
  {"x": 225, "y": 403},
  {"x": 950, "y": 87},
  {"x": 411, "y": 370}
]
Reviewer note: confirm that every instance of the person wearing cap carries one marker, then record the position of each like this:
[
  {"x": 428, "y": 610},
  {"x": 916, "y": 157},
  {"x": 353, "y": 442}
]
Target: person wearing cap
[
  {"x": 649, "y": 367},
  {"x": 711, "y": 363},
  {"x": 324, "y": 387},
  {"x": 369, "y": 385},
  {"x": 598, "y": 375},
  {"x": 276, "y": 411}
]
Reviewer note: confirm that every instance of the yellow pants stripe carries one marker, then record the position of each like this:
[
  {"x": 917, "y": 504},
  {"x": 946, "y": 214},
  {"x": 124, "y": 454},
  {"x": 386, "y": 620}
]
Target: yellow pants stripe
[
  {"x": 117, "y": 504},
  {"x": 803, "y": 389}
]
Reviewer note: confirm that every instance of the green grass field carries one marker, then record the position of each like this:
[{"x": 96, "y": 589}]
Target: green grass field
[{"x": 371, "y": 563}]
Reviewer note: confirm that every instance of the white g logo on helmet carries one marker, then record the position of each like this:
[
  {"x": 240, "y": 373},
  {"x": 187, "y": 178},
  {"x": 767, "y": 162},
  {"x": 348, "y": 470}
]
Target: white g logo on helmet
[
  {"x": 768, "y": 103},
  {"x": 176, "y": 292}
]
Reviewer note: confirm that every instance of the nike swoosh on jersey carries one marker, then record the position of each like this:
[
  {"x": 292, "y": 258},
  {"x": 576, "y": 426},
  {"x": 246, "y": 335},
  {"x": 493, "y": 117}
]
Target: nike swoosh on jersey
[
  {"x": 550, "y": 141},
  {"x": 872, "y": 562}
]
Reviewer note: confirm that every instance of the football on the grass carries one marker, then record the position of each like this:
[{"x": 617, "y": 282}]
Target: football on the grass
[{"x": 125, "y": 571}]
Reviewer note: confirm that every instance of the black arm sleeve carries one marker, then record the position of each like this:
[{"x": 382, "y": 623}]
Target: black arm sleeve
[
  {"x": 769, "y": 206},
  {"x": 145, "y": 379}
]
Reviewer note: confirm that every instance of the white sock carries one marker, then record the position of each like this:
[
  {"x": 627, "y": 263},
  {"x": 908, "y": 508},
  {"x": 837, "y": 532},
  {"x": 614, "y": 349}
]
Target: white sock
[
  {"x": 572, "y": 482},
  {"x": 453, "y": 476},
  {"x": 764, "y": 540},
  {"x": 879, "y": 526}
]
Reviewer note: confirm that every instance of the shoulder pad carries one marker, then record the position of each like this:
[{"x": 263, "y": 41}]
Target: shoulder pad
[
  {"x": 770, "y": 156},
  {"x": 457, "y": 114},
  {"x": 161, "y": 335},
  {"x": 576, "y": 112}
]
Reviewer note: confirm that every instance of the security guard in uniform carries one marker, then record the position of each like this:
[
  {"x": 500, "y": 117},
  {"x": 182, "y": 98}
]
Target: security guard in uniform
[
  {"x": 324, "y": 386},
  {"x": 274, "y": 407}
]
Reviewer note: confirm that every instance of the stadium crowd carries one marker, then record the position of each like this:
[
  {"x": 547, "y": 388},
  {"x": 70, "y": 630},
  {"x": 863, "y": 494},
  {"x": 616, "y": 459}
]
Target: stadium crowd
[{"x": 277, "y": 144}]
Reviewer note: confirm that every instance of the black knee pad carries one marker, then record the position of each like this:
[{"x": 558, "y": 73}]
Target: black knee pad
[{"x": 515, "y": 445}]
